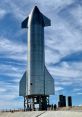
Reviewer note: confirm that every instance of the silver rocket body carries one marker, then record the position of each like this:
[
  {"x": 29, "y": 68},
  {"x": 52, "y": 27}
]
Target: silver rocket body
[{"x": 36, "y": 80}]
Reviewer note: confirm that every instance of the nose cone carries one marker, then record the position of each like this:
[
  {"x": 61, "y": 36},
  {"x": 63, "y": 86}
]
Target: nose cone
[
  {"x": 36, "y": 10},
  {"x": 36, "y": 16}
]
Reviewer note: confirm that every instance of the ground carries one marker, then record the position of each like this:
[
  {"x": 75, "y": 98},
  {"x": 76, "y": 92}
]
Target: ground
[{"x": 42, "y": 114}]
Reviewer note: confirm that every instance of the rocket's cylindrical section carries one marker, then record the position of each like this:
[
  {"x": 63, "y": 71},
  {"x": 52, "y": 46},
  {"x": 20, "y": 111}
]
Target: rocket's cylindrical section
[
  {"x": 35, "y": 55},
  {"x": 37, "y": 50}
]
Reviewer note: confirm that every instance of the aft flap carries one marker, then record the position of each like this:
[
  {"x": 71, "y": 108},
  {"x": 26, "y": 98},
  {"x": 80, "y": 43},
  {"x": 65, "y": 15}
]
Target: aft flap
[
  {"x": 49, "y": 83},
  {"x": 22, "y": 85}
]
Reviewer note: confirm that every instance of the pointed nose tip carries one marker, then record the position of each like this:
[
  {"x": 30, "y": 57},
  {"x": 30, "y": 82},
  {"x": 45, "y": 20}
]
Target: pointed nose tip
[{"x": 35, "y": 9}]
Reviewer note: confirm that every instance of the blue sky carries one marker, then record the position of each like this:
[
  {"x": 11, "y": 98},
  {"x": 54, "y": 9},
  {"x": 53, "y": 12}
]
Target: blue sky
[{"x": 63, "y": 48}]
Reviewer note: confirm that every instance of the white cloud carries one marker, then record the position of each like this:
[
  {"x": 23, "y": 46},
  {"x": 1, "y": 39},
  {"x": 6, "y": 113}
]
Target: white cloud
[
  {"x": 2, "y": 89},
  {"x": 77, "y": 14},
  {"x": 77, "y": 89},
  {"x": 64, "y": 83},
  {"x": 9, "y": 45},
  {"x": 13, "y": 50},
  {"x": 79, "y": 93},
  {"x": 2, "y": 13},
  {"x": 13, "y": 71},
  {"x": 8, "y": 93},
  {"x": 58, "y": 88},
  {"x": 66, "y": 70},
  {"x": 62, "y": 39}
]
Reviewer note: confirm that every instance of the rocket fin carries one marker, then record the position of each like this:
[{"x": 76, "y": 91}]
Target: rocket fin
[
  {"x": 22, "y": 85},
  {"x": 47, "y": 21},
  {"x": 49, "y": 83},
  {"x": 25, "y": 23}
]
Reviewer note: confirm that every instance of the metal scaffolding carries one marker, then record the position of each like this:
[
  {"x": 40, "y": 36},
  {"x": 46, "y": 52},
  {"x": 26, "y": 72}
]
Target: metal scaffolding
[{"x": 31, "y": 101}]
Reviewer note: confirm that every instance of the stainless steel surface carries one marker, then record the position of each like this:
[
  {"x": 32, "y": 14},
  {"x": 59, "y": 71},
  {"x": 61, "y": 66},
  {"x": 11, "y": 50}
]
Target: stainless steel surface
[{"x": 38, "y": 79}]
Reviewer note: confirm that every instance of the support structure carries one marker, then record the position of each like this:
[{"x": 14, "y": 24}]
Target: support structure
[{"x": 31, "y": 101}]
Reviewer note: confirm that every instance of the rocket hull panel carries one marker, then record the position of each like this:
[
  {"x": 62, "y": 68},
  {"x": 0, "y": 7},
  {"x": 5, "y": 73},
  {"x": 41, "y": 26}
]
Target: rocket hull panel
[{"x": 23, "y": 85}]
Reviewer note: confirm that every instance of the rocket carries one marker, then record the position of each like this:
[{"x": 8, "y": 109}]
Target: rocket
[{"x": 36, "y": 79}]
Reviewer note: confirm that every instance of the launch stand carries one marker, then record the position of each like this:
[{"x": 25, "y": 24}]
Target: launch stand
[{"x": 31, "y": 101}]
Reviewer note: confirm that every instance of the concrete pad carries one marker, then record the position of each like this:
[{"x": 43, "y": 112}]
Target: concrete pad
[
  {"x": 20, "y": 114},
  {"x": 62, "y": 114},
  {"x": 42, "y": 114}
]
